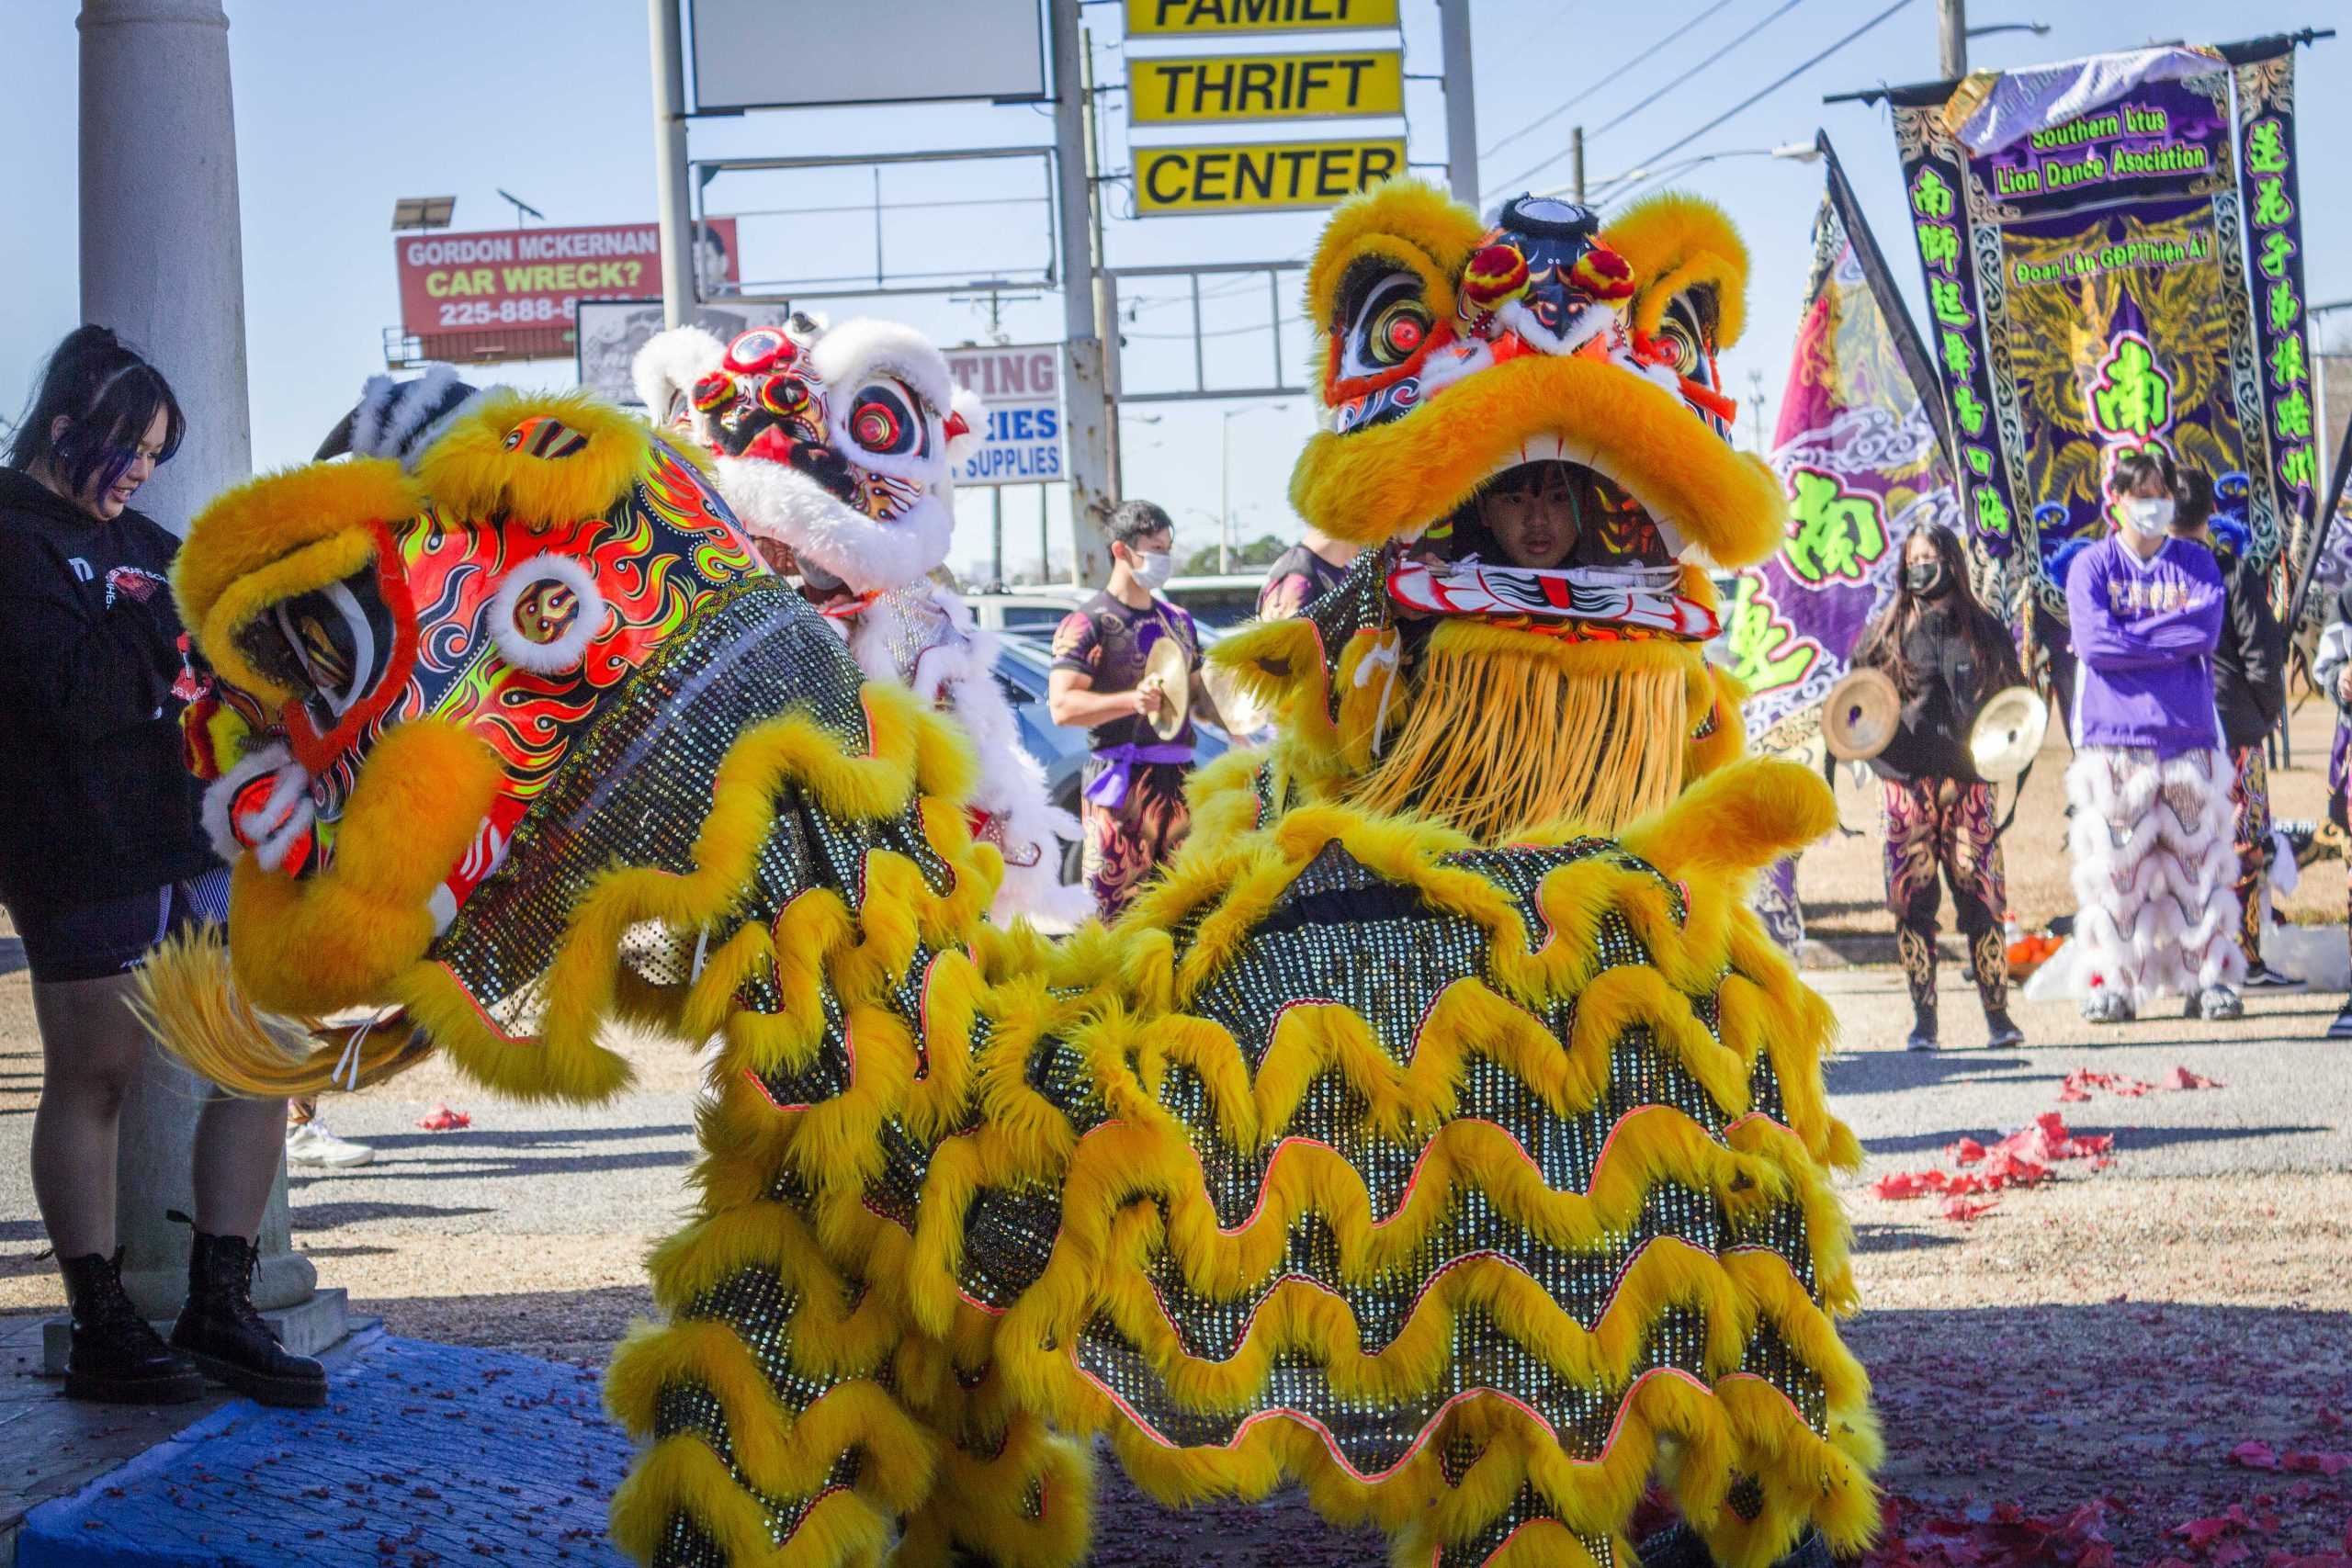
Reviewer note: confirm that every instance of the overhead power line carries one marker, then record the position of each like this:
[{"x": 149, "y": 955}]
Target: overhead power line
[
  {"x": 1531, "y": 127},
  {"x": 1521, "y": 180},
  {"x": 1768, "y": 88}
]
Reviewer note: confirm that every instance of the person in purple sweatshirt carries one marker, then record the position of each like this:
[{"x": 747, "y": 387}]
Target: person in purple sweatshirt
[{"x": 2154, "y": 857}]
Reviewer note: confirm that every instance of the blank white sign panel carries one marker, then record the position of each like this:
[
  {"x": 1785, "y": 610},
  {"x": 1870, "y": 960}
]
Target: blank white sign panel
[{"x": 785, "y": 53}]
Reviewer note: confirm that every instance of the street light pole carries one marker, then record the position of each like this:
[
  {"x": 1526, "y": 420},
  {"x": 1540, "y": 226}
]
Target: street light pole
[{"x": 1225, "y": 496}]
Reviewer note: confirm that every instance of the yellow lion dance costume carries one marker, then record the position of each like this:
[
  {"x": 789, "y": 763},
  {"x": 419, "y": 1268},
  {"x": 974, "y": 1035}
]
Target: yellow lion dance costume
[{"x": 1442, "y": 1133}]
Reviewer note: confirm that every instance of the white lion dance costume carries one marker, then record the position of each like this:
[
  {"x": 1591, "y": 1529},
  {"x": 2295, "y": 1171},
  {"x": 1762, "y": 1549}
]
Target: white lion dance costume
[
  {"x": 836, "y": 442},
  {"x": 1442, "y": 1132},
  {"x": 2153, "y": 831}
]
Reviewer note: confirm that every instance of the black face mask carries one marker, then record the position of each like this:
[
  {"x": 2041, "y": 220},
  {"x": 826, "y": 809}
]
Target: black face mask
[{"x": 1927, "y": 579}]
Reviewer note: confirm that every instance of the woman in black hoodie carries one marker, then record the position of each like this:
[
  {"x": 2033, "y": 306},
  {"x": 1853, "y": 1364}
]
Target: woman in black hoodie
[
  {"x": 102, "y": 854},
  {"x": 1946, "y": 654}
]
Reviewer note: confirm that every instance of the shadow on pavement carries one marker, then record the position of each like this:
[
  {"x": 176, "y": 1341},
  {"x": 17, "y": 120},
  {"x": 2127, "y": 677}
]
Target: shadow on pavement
[
  {"x": 1886, "y": 1072},
  {"x": 2127, "y": 1138},
  {"x": 524, "y": 1137},
  {"x": 309, "y": 1217}
]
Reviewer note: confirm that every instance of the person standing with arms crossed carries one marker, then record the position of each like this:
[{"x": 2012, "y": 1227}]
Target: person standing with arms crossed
[
  {"x": 2155, "y": 850},
  {"x": 102, "y": 855},
  {"x": 1133, "y": 795}
]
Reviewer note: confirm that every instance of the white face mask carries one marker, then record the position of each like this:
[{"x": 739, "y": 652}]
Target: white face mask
[
  {"x": 1152, "y": 568},
  {"x": 2146, "y": 515}
]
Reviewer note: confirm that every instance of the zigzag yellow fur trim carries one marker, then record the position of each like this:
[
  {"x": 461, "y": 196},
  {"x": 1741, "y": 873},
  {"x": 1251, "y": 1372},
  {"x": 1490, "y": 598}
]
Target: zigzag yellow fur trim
[{"x": 680, "y": 1474}]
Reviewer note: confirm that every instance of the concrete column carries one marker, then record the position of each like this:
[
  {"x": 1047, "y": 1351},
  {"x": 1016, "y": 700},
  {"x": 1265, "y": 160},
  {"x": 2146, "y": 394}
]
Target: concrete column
[{"x": 162, "y": 264}]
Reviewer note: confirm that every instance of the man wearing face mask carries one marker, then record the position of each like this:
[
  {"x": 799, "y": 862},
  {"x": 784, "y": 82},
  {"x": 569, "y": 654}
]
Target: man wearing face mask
[
  {"x": 2153, "y": 830},
  {"x": 1946, "y": 654},
  {"x": 1134, "y": 796}
]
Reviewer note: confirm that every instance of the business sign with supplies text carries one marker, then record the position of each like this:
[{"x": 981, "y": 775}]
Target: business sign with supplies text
[{"x": 1022, "y": 443}]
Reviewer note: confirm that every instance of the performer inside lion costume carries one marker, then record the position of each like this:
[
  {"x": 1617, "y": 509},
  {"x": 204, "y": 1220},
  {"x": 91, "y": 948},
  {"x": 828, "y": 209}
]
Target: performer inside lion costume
[{"x": 1442, "y": 1133}]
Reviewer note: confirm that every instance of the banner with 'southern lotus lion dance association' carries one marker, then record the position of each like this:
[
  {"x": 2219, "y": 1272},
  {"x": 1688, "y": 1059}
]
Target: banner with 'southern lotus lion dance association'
[
  {"x": 1862, "y": 463},
  {"x": 2112, "y": 253}
]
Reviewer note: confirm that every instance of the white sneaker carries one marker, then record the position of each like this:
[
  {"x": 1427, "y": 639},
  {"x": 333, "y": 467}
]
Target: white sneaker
[{"x": 310, "y": 1143}]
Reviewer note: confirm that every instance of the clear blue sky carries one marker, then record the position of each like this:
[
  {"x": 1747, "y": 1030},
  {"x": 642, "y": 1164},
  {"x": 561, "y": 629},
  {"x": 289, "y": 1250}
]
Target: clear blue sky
[{"x": 343, "y": 106}]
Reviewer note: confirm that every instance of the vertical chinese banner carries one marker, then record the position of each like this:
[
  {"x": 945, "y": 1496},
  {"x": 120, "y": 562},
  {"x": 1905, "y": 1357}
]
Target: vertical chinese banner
[
  {"x": 2267, "y": 190},
  {"x": 1862, "y": 463},
  {"x": 2082, "y": 233}
]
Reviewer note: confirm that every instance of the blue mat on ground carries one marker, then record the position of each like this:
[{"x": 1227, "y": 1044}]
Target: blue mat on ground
[{"x": 425, "y": 1454}]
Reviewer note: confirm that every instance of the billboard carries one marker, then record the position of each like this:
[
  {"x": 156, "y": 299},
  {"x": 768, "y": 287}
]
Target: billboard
[
  {"x": 612, "y": 330},
  {"x": 510, "y": 294},
  {"x": 757, "y": 54},
  {"x": 1022, "y": 443}
]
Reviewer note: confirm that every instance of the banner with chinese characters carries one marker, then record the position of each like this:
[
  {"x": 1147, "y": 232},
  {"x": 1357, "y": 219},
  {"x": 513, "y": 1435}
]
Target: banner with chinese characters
[
  {"x": 1862, "y": 464},
  {"x": 2111, "y": 253}
]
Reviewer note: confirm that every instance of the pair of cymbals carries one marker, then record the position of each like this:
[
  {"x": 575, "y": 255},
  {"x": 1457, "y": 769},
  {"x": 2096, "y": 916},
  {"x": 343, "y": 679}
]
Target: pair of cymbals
[
  {"x": 1169, "y": 668},
  {"x": 1861, "y": 713}
]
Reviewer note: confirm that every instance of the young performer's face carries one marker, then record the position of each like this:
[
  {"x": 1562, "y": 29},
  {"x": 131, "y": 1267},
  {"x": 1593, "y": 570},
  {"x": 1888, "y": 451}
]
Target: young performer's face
[{"x": 1532, "y": 515}]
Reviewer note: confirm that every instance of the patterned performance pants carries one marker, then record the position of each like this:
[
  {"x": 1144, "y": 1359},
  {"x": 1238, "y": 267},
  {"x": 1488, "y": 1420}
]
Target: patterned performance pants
[
  {"x": 1944, "y": 825},
  {"x": 1127, "y": 843},
  {"x": 2250, "y": 797},
  {"x": 2155, "y": 868}
]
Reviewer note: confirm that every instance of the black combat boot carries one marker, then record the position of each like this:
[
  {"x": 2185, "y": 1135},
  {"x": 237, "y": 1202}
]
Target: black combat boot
[
  {"x": 226, "y": 1338},
  {"x": 117, "y": 1358}
]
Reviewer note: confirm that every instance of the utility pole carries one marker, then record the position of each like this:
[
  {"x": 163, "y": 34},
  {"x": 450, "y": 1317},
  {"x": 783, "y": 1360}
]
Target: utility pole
[
  {"x": 162, "y": 262},
  {"x": 1576, "y": 160},
  {"x": 1085, "y": 392},
  {"x": 1951, "y": 20},
  {"x": 1755, "y": 403},
  {"x": 1460, "y": 103},
  {"x": 670, "y": 176}
]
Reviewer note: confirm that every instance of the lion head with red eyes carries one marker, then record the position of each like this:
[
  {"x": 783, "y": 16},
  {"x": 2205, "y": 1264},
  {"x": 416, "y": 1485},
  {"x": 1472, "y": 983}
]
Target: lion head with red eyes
[
  {"x": 1547, "y": 352},
  {"x": 834, "y": 442}
]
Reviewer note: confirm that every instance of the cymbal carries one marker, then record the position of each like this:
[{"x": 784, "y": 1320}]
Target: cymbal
[
  {"x": 2009, "y": 733},
  {"x": 1857, "y": 716},
  {"x": 1170, "y": 667}
]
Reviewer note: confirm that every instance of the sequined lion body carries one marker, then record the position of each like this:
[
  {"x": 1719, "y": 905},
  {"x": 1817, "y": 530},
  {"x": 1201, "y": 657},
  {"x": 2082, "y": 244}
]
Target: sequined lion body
[{"x": 1440, "y": 1132}]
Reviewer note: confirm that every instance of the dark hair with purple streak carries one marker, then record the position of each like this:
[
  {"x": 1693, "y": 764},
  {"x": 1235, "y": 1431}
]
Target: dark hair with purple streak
[{"x": 108, "y": 394}]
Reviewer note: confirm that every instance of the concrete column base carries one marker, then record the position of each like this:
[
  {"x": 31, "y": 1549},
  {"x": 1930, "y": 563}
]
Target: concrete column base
[{"x": 306, "y": 1329}]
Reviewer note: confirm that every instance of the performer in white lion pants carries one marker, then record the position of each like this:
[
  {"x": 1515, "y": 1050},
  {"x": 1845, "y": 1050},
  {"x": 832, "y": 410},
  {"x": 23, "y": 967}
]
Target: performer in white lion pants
[{"x": 2152, "y": 840}]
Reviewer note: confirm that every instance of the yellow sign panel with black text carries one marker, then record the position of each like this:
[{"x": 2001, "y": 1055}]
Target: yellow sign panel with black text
[
  {"x": 1259, "y": 176},
  {"x": 1172, "y": 19},
  {"x": 1176, "y": 90}
]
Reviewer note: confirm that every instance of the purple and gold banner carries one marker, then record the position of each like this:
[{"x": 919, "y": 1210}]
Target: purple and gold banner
[
  {"x": 1862, "y": 462},
  {"x": 2111, "y": 253}
]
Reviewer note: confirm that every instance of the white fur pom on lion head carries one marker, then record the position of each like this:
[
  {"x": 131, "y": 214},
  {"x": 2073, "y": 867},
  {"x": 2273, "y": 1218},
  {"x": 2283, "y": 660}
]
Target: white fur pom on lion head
[
  {"x": 665, "y": 373},
  {"x": 836, "y": 441}
]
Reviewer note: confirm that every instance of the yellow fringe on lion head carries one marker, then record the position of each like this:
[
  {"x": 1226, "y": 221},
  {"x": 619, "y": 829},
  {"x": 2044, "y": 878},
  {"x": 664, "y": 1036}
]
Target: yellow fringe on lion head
[{"x": 1507, "y": 733}]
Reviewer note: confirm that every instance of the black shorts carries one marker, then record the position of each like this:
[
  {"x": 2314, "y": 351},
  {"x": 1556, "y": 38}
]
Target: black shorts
[{"x": 91, "y": 941}]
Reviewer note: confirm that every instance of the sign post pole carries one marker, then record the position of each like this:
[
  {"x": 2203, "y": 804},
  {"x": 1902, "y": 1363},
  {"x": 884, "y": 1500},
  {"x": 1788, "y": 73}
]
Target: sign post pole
[
  {"x": 1085, "y": 391},
  {"x": 670, "y": 176},
  {"x": 1461, "y": 104}
]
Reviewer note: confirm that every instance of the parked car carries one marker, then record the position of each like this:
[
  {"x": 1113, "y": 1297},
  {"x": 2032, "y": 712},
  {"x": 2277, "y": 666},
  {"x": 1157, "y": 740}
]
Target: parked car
[
  {"x": 1022, "y": 673},
  {"x": 1216, "y": 604}
]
